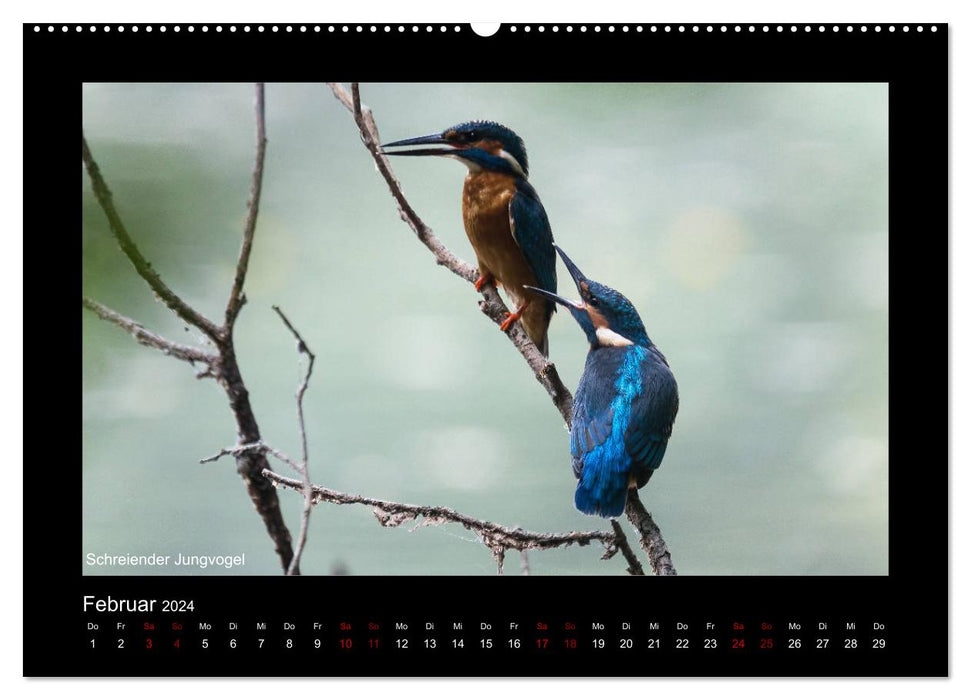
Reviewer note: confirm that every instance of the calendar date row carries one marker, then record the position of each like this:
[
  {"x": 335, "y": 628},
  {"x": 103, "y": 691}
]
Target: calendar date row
[{"x": 404, "y": 644}]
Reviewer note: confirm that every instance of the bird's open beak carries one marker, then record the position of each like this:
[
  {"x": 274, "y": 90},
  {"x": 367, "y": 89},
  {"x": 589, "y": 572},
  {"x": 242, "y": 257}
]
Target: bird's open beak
[
  {"x": 577, "y": 278},
  {"x": 431, "y": 139},
  {"x": 555, "y": 297},
  {"x": 575, "y": 273}
]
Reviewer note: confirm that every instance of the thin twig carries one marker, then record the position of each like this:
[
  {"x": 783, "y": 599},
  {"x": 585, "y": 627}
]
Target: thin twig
[
  {"x": 304, "y": 469},
  {"x": 128, "y": 247},
  {"x": 236, "y": 296},
  {"x": 149, "y": 339},
  {"x": 524, "y": 563},
  {"x": 491, "y": 304},
  {"x": 258, "y": 447}
]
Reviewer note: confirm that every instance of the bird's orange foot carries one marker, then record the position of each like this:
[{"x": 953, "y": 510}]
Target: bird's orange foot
[
  {"x": 483, "y": 281},
  {"x": 513, "y": 317},
  {"x": 510, "y": 319}
]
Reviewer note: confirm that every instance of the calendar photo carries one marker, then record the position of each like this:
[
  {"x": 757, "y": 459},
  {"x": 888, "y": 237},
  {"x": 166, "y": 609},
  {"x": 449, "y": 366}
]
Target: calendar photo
[{"x": 479, "y": 328}]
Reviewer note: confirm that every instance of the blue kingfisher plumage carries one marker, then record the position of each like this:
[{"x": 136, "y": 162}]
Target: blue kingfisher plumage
[
  {"x": 626, "y": 403},
  {"x": 504, "y": 218}
]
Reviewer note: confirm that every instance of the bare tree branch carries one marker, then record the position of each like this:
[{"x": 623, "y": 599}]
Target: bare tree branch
[
  {"x": 634, "y": 568},
  {"x": 149, "y": 339},
  {"x": 493, "y": 307},
  {"x": 250, "y": 465},
  {"x": 651, "y": 540},
  {"x": 372, "y": 140},
  {"x": 491, "y": 303},
  {"x": 225, "y": 368},
  {"x": 128, "y": 247},
  {"x": 304, "y": 469},
  {"x": 496, "y": 537},
  {"x": 392, "y": 514},
  {"x": 236, "y": 296}
]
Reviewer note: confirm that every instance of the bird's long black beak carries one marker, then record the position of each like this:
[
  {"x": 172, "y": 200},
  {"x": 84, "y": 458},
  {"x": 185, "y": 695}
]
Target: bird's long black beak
[
  {"x": 555, "y": 297},
  {"x": 430, "y": 139},
  {"x": 577, "y": 279},
  {"x": 575, "y": 273}
]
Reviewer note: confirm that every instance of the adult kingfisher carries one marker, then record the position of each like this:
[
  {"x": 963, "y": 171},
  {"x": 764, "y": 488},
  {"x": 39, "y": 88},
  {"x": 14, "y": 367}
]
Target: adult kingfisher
[
  {"x": 504, "y": 219},
  {"x": 625, "y": 405}
]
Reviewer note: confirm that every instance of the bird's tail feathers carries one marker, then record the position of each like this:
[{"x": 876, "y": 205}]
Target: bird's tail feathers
[
  {"x": 536, "y": 325},
  {"x": 601, "y": 492},
  {"x": 544, "y": 345}
]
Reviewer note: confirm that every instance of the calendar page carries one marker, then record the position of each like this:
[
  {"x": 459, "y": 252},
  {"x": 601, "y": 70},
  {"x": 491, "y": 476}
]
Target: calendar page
[{"x": 399, "y": 344}]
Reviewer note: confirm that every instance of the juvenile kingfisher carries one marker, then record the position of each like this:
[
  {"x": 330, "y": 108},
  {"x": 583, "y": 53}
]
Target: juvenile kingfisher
[
  {"x": 625, "y": 406},
  {"x": 504, "y": 219}
]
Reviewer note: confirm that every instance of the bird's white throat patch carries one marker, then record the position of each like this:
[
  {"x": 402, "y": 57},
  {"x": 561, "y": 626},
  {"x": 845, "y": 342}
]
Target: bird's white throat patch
[
  {"x": 608, "y": 337},
  {"x": 473, "y": 167}
]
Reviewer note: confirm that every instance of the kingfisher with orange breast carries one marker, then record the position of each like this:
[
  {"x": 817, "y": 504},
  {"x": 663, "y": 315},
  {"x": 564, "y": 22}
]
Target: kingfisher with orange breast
[{"x": 504, "y": 219}]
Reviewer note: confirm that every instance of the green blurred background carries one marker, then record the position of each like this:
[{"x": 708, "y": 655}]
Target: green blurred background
[{"x": 747, "y": 222}]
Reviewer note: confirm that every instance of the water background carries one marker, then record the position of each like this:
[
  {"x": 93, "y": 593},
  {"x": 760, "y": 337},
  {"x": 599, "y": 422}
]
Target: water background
[{"x": 747, "y": 222}]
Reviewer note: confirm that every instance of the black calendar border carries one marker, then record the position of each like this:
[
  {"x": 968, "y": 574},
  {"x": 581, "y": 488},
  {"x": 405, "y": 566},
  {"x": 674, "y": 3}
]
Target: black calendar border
[{"x": 913, "y": 598}]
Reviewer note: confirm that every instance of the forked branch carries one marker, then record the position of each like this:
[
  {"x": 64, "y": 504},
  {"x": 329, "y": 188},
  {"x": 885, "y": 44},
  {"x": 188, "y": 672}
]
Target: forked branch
[
  {"x": 651, "y": 540},
  {"x": 131, "y": 251},
  {"x": 222, "y": 364}
]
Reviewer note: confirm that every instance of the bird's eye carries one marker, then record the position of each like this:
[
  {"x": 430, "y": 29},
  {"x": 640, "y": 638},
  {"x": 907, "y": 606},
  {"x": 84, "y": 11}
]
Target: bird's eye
[
  {"x": 471, "y": 136},
  {"x": 593, "y": 301}
]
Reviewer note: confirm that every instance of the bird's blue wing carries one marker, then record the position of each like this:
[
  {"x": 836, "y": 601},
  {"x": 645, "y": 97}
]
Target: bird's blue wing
[
  {"x": 598, "y": 463},
  {"x": 593, "y": 409},
  {"x": 587, "y": 433},
  {"x": 532, "y": 232},
  {"x": 651, "y": 420},
  {"x": 620, "y": 429}
]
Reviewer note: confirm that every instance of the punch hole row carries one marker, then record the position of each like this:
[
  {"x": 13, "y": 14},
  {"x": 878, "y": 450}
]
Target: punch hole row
[
  {"x": 737, "y": 28},
  {"x": 428, "y": 28},
  {"x": 288, "y": 28}
]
